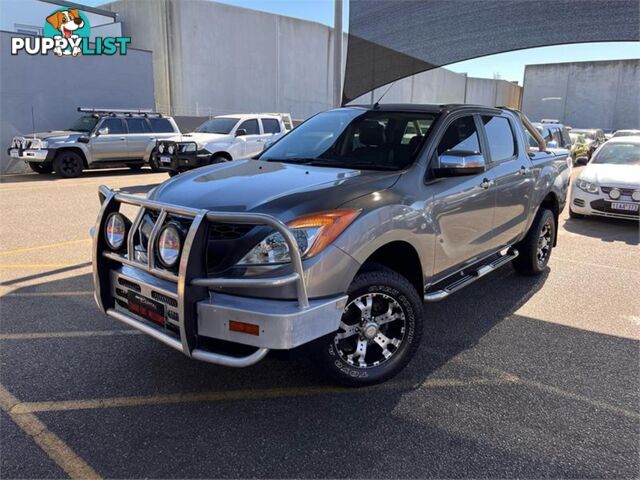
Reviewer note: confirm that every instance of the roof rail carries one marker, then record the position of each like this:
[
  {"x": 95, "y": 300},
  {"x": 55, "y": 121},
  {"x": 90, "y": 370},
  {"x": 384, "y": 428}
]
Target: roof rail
[{"x": 129, "y": 111}]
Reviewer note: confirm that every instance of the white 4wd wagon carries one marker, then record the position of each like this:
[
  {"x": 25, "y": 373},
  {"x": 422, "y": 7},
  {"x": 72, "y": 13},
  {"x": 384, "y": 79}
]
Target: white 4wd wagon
[{"x": 220, "y": 139}]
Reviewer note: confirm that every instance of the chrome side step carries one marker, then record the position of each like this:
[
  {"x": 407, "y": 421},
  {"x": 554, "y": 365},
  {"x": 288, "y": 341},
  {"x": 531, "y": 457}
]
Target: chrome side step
[{"x": 462, "y": 282}]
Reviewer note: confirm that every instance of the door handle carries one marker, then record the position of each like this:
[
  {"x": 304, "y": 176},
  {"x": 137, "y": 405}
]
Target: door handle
[
  {"x": 524, "y": 170},
  {"x": 260, "y": 140},
  {"x": 486, "y": 183},
  {"x": 122, "y": 138}
]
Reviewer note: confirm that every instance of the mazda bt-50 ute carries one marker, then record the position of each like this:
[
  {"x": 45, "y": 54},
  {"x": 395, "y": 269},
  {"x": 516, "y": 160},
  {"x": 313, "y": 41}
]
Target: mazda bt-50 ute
[{"x": 334, "y": 239}]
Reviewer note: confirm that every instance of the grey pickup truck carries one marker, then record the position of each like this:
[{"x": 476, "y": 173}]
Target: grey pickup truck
[{"x": 332, "y": 241}]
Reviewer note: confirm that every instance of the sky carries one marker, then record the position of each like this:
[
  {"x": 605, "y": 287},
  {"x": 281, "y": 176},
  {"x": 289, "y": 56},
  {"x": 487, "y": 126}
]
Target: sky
[{"x": 508, "y": 66}]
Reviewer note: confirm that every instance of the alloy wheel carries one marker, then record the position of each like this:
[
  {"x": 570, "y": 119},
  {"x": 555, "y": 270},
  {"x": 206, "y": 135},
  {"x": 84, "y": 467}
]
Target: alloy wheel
[
  {"x": 544, "y": 243},
  {"x": 371, "y": 331}
]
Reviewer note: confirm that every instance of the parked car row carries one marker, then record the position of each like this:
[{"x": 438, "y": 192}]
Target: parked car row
[
  {"x": 113, "y": 138},
  {"x": 609, "y": 186}
]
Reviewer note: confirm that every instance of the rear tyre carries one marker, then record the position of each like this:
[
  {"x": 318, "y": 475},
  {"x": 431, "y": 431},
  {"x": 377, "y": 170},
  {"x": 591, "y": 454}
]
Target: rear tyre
[
  {"x": 41, "y": 167},
  {"x": 379, "y": 332},
  {"x": 68, "y": 164},
  {"x": 535, "y": 249},
  {"x": 135, "y": 167},
  {"x": 173, "y": 173},
  {"x": 573, "y": 214}
]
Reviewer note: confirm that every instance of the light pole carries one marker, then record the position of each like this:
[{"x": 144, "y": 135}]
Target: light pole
[{"x": 337, "y": 54}]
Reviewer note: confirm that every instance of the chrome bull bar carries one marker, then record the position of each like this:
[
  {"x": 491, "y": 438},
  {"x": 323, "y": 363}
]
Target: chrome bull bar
[{"x": 192, "y": 281}]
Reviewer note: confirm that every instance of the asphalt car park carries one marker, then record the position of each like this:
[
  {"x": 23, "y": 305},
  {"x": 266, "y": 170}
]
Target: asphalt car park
[{"x": 516, "y": 376}]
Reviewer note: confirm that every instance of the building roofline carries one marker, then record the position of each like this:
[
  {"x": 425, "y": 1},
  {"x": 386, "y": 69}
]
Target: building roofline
[
  {"x": 582, "y": 62},
  {"x": 84, "y": 8}
]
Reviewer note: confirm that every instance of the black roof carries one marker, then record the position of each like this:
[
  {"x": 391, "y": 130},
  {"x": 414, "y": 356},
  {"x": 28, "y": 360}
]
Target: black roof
[{"x": 424, "y": 107}]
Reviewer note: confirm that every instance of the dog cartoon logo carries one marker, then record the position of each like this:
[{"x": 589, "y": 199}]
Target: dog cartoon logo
[{"x": 70, "y": 25}]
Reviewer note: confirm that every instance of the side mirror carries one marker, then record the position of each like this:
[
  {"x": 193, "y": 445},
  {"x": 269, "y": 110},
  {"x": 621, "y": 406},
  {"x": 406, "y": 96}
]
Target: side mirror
[
  {"x": 456, "y": 163},
  {"x": 552, "y": 144},
  {"x": 241, "y": 132},
  {"x": 102, "y": 131},
  {"x": 582, "y": 160},
  {"x": 83, "y": 139}
]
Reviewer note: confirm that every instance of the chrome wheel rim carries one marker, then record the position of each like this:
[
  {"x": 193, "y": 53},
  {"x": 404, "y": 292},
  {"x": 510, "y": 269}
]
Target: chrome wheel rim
[
  {"x": 371, "y": 331},
  {"x": 544, "y": 243}
]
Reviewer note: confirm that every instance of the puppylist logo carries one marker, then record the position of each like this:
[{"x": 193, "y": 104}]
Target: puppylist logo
[{"x": 66, "y": 33}]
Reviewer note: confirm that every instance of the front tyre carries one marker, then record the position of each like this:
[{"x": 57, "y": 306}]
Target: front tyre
[
  {"x": 68, "y": 164},
  {"x": 379, "y": 332},
  {"x": 535, "y": 249},
  {"x": 39, "y": 167}
]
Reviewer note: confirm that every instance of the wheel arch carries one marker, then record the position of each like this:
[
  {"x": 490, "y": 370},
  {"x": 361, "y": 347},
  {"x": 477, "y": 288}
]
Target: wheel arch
[
  {"x": 222, "y": 153},
  {"x": 77, "y": 150},
  {"x": 401, "y": 257}
]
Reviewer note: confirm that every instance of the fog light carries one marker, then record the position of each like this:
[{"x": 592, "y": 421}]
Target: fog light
[
  {"x": 169, "y": 246},
  {"x": 115, "y": 231}
]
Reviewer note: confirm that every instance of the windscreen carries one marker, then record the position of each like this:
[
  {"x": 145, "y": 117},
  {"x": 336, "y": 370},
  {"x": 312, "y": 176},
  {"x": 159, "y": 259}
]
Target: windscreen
[
  {"x": 619, "y": 154},
  {"x": 355, "y": 138},
  {"x": 84, "y": 124},
  {"x": 218, "y": 125}
]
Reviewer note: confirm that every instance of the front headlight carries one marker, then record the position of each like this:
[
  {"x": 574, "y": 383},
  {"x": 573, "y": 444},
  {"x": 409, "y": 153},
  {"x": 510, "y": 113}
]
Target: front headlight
[
  {"x": 115, "y": 230},
  {"x": 189, "y": 147},
  {"x": 587, "y": 186},
  {"x": 169, "y": 246},
  {"x": 312, "y": 233},
  {"x": 39, "y": 144}
]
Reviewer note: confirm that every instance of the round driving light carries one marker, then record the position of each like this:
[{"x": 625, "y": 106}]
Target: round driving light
[
  {"x": 169, "y": 245},
  {"x": 161, "y": 148},
  {"x": 614, "y": 193},
  {"x": 636, "y": 196},
  {"x": 115, "y": 231},
  {"x": 170, "y": 149}
]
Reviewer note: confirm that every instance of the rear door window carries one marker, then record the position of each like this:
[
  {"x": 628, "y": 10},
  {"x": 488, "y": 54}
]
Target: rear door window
[
  {"x": 137, "y": 125},
  {"x": 502, "y": 143},
  {"x": 270, "y": 125}
]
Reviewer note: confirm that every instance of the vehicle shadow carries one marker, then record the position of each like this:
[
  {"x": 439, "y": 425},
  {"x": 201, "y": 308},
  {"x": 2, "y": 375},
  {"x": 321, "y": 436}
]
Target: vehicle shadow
[
  {"x": 605, "y": 229},
  {"x": 402, "y": 429},
  {"x": 35, "y": 177}
]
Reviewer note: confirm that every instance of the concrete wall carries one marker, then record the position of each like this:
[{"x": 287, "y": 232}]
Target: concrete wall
[
  {"x": 584, "y": 94},
  {"x": 56, "y": 86},
  {"x": 211, "y": 58},
  {"x": 444, "y": 86}
]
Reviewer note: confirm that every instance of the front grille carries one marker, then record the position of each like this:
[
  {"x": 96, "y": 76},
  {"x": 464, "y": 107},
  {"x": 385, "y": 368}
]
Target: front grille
[
  {"x": 126, "y": 283},
  {"x": 172, "y": 315},
  {"x": 623, "y": 191},
  {"x": 228, "y": 231},
  {"x": 121, "y": 292},
  {"x": 122, "y": 303},
  {"x": 164, "y": 299},
  {"x": 578, "y": 202}
]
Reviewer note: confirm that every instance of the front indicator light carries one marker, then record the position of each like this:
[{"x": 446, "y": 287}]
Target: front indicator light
[
  {"x": 242, "y": 327},
  {"x": 115, "y": 231},
  {"x": 169, "y": 246}
]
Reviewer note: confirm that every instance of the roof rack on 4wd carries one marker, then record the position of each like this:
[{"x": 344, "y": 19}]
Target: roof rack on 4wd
[{"x": 130, "y": 111}]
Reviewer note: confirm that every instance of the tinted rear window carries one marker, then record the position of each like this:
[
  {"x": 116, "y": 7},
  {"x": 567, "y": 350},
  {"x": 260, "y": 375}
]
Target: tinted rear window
[
  {"x": 161, "y": 125},
  {"x": 137, "y": 125},
  {"x": 270, "y": 125}
]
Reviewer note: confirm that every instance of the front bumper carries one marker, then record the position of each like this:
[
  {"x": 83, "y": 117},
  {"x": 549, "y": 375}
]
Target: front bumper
[
  {"x": 599, "y": 204},
  {"x": 193, "y": 313},
  {"x": 180, "y": 160},
  {"x": 31, "y": 155}
]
